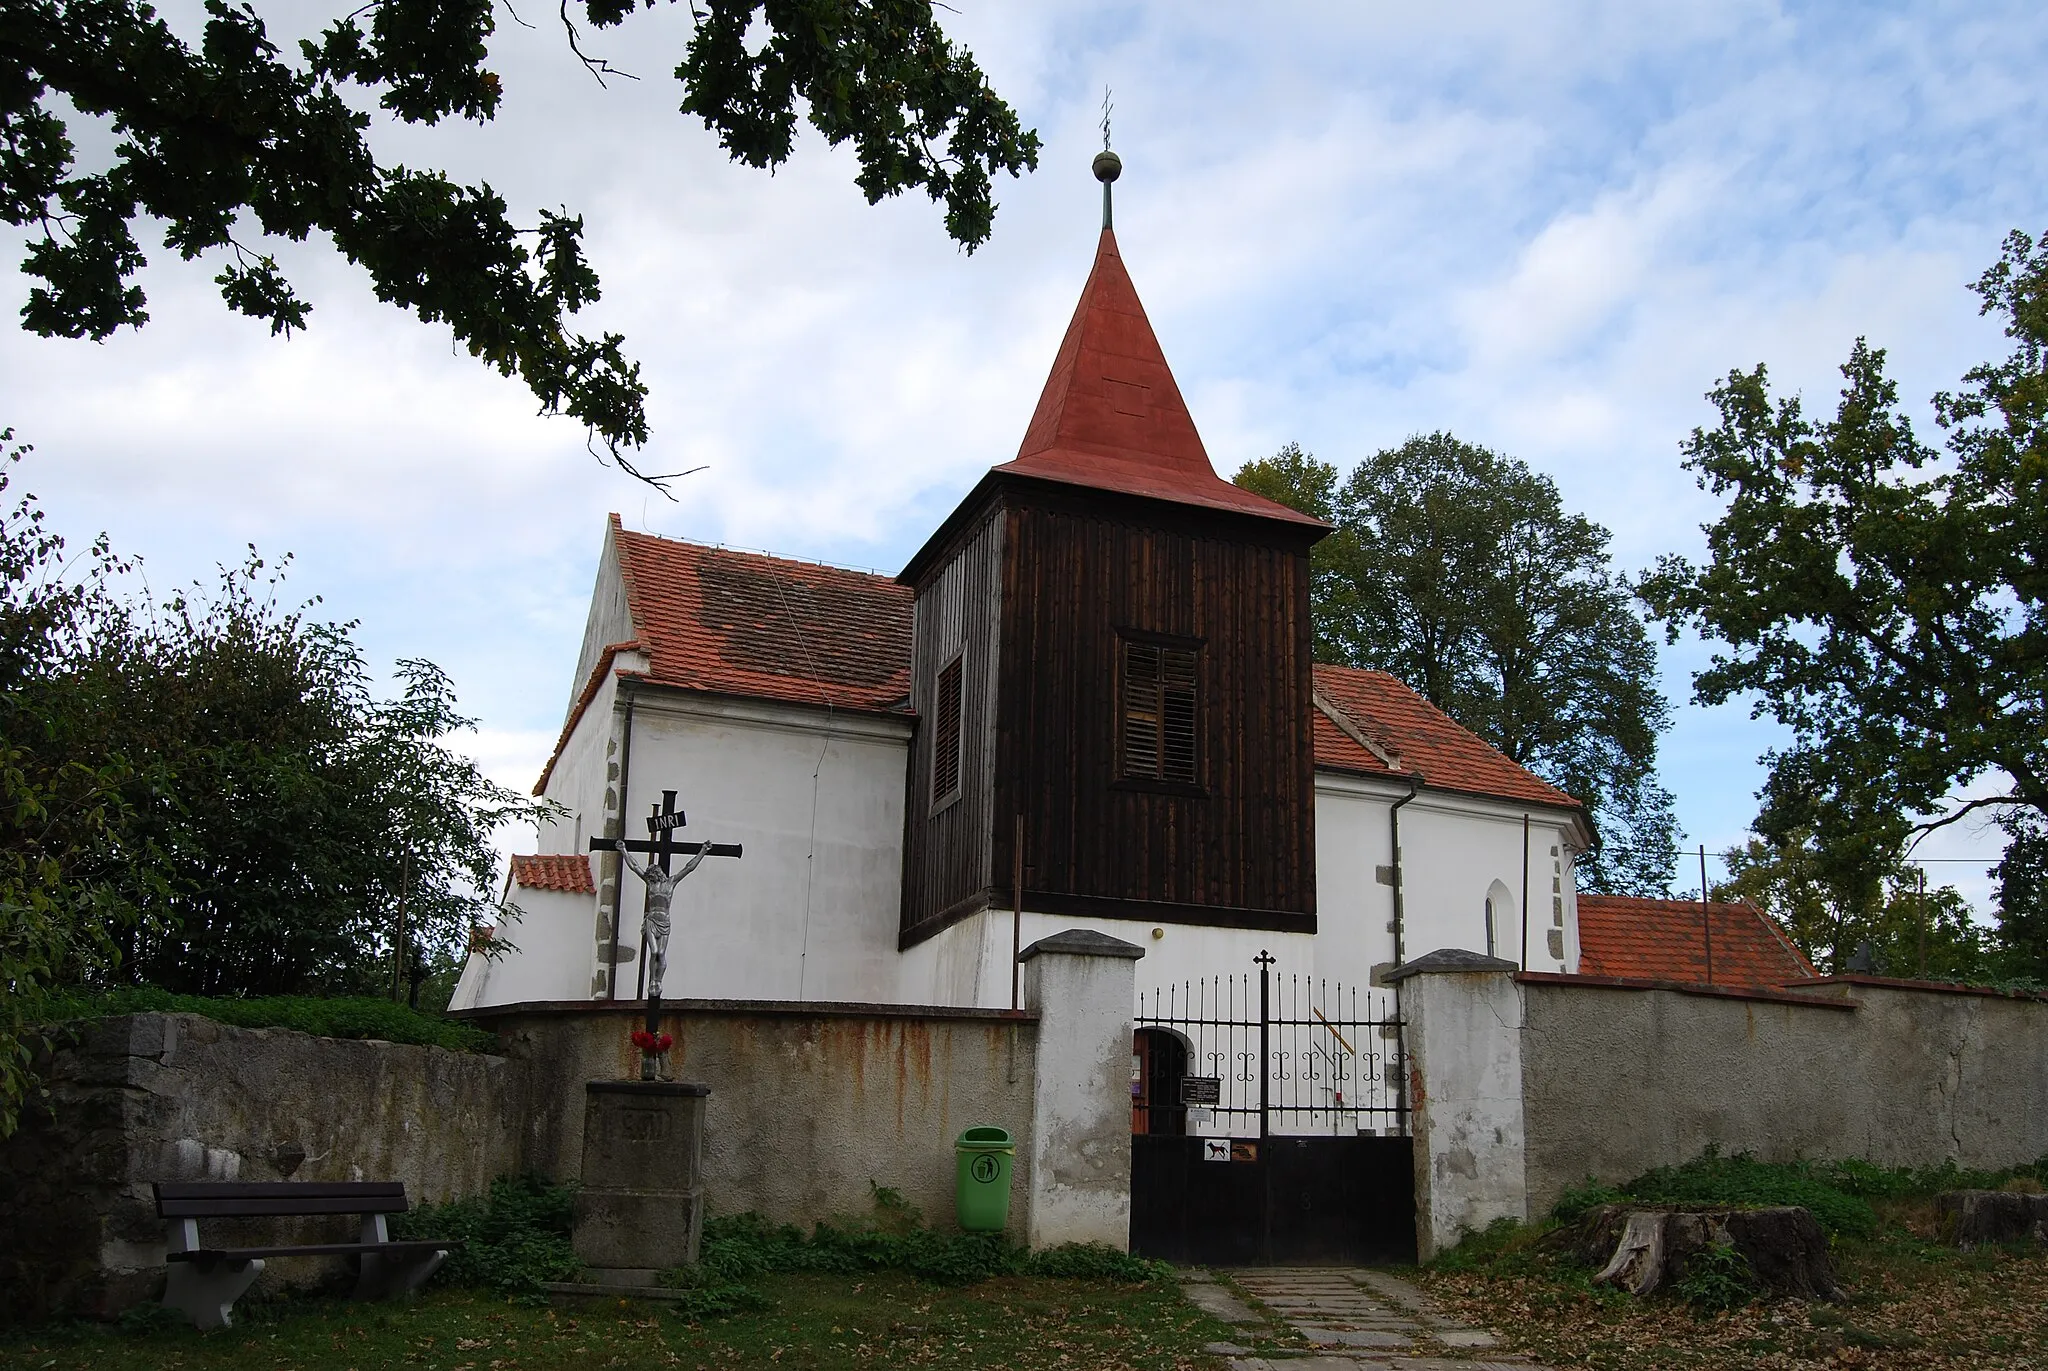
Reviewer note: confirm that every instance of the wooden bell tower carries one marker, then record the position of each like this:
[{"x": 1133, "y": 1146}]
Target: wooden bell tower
[{"x": 1114, "y": 643}]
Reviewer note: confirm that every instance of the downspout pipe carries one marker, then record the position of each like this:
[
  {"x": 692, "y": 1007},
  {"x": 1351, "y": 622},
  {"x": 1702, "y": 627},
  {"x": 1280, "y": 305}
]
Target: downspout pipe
[
  {"x": 619, "y": 875},
  {"x": 1400, "y": 878}
]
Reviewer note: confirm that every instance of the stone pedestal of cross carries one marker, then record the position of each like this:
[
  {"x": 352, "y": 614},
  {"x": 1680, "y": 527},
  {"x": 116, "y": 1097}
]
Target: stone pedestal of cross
[{"x": 662, "y": 846}]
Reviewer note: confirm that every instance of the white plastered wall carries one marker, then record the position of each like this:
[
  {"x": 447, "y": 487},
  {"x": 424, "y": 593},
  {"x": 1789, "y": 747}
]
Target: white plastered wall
[
  {"x": 541, "y": 954},
  {"x": 816, "y": 801},
  {"x": 1455, "y": 849}
]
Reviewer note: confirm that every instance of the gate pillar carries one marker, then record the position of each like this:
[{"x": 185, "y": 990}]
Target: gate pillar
[
  {"x": 1463, "y": 1013},
  {"x": 1081, "y": 984}
]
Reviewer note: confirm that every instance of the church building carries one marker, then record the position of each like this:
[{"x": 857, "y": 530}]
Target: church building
[{"x": 1088, "y": 701}]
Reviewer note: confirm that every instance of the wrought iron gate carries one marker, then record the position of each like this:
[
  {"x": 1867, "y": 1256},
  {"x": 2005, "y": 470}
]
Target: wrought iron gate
[{"x": 1269, "y": 1122}]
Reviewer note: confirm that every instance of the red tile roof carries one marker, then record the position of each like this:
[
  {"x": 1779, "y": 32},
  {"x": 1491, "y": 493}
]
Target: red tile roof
[
  {"x": 744, "y": 623},
  {"x": 717, "y": 620},
  {"x": 1334, "y": 748},
  {"x": 1111, "y": 416},
  {"x": 570, "y": 873},
  {"x": 1665, "y": 940},
  {"x": 1422, "y": 740}
]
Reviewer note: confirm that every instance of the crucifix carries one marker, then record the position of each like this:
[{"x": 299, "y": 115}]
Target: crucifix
[{"x": 662, "y": 847}]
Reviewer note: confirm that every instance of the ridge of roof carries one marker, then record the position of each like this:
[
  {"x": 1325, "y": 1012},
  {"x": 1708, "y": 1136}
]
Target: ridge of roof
[{"x": 1111, "y": 415}]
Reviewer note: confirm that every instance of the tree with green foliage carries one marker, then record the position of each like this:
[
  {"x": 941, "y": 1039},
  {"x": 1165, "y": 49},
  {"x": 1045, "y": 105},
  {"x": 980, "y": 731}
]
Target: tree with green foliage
[
  {"x": 1885, "y": 601},
  {"x": 1459, "y": 570},
  {"x": 207, "y": 796},
  {"x": 297, "y": 817},
  {"x": 2022, "y": 876},
  {"x": 65, "y": 887},
  {"x": 229, "y": 140},
  {"x": 1914, "y": 933}
]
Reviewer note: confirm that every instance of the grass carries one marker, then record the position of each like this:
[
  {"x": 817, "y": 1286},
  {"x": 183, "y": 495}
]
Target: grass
[
  {"x": 340, "y": 1017},
  {"x": 1914, "y": 1302},
  {"x": 810, "y": 1322},
  {"x": 882, "y": 1290}
]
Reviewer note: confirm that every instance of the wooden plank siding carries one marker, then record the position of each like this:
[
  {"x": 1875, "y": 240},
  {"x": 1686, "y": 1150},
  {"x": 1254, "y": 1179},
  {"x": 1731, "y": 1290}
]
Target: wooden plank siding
[
  {"x": 946, "y": 857},
  {"x": 1077, "y": 568}
]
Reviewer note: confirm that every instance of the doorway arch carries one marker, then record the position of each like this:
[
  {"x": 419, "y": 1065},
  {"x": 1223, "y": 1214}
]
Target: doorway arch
[{"x": 1159, "y": 1062}]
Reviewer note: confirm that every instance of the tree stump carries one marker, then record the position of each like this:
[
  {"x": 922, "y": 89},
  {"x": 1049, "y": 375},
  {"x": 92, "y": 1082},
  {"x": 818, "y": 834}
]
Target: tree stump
[
  {"x": 1645, "y": 1250},
  {"x": 1973, "y": 1217}
]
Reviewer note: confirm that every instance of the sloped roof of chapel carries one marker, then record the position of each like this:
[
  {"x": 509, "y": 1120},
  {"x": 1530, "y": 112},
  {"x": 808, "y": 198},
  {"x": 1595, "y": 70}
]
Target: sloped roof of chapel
[
  {"x": 554, "y": 871},
  {"x": 746, "y": 623},
  {"x": 1422, "y": 740},
  {"x": 1666, "y": 940}
]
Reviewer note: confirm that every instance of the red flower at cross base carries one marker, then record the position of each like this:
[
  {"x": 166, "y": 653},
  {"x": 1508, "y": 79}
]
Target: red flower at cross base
[{"x": 652, "y": 1043}]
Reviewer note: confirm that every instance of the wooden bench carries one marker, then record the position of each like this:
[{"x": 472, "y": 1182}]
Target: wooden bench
[{"x": 203, "y": 1283}]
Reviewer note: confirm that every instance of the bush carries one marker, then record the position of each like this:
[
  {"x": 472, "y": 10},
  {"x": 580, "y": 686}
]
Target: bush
[
  {"x": 1713, "y": 1181},
  {"x": 1579, "y": 1200},
  {"x": 1717, "y": 1280},
  {"x": 739, "y": 1248},
  {"x": 1092, "y": 1261},
  {"x": 515, "y": 1239},
  {"x": 343, "y": 1017}
]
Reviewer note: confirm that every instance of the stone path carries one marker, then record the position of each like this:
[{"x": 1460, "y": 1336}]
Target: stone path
[{"x": 1355, "y": 1319}]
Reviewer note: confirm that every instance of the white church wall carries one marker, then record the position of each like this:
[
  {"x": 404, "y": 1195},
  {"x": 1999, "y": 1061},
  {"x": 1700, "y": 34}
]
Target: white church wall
[
  {"x": 548, "y": 957},
  {"x": 1458, "y": 849},
  {"x": 1354, "y": 908},
  {"x": 610, "y": 619},
  {"x": 816, "y": 800},
  {"x": 583, "y": 768}
]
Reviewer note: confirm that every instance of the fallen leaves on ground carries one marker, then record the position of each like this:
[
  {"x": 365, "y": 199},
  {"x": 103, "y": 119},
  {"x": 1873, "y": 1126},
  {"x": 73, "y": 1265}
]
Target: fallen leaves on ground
[{"x": 1913, "y": 1304}]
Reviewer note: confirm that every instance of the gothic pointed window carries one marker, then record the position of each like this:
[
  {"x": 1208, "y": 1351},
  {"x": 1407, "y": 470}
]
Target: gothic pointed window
[{"x": 1160, "y": 711}]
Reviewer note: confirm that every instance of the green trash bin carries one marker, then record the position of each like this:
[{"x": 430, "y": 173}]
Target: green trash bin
[{"x": 982, "y": 1194}]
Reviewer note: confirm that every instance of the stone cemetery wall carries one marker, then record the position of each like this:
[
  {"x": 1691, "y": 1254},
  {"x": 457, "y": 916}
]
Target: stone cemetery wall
[
  {"x": 1619, "y": 1080},
  {"x": 175, "y": 1097},
  {"x": 812, "y": 1105}
]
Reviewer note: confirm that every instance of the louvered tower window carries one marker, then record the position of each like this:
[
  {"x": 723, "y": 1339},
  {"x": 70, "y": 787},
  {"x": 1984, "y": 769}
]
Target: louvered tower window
[
  {"x": 1159, "y": 709},
  {"x": 946, "y": 736}
]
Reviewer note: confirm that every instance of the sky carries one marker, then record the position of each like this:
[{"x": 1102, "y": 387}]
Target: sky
[{"x": 1546, "y": 226}]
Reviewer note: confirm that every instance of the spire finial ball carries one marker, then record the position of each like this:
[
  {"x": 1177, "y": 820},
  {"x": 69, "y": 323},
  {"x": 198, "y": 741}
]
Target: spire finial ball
[{"x": 1108, "y": 166}]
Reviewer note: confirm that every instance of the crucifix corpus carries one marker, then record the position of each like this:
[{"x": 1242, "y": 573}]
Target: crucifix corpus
[{"x": 661, "y": 846}]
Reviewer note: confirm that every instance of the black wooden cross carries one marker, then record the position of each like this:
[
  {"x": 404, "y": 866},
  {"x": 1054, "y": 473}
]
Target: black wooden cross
[{"x": 660, "y": 843}]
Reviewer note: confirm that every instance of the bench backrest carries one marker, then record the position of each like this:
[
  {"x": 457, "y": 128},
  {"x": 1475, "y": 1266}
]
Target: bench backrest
[{"x": 235, "y": 1199}]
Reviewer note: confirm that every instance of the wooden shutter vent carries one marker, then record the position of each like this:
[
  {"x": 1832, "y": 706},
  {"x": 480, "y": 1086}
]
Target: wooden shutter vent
[
  {"x": 946, "y": 739},
  {"x": 1159, "y": 712}
]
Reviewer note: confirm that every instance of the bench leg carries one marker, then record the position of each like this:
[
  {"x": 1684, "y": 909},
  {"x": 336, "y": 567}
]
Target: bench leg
[
  {"x": 384, "y": 1275},
  {"x": 206, "y": 1295}
]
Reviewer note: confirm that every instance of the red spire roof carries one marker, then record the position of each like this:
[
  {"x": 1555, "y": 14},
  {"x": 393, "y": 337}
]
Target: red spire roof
[{"x": 1111, "y": 416}]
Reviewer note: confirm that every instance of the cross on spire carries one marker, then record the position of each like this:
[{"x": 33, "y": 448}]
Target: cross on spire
[{"x": 1108, "y": 166}]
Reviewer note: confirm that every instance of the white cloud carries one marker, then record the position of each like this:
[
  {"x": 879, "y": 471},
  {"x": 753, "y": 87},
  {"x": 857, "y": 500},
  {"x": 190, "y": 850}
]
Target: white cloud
[{"x": 1548, "y": 227}]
